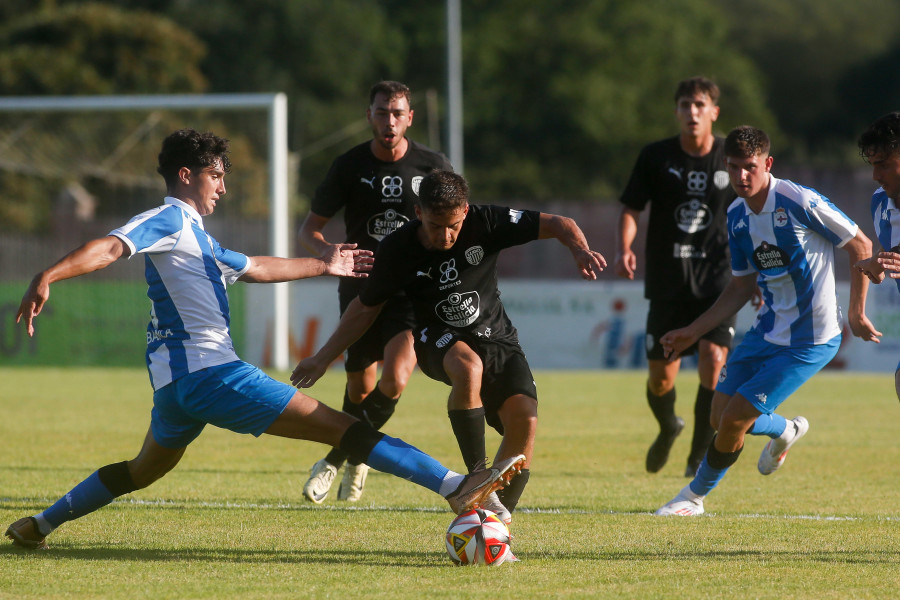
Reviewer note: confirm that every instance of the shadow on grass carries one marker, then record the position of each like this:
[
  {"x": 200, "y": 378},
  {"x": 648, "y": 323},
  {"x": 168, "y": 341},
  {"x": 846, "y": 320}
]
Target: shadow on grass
[{"x": 231, "y": 556}]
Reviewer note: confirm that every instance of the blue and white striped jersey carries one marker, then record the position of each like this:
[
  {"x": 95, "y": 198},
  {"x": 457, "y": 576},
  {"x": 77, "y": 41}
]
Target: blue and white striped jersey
[
  {"x": 790, "y": 243},
  {"x": 886, "y": 218},
  {"x": 186, "y": 271}
]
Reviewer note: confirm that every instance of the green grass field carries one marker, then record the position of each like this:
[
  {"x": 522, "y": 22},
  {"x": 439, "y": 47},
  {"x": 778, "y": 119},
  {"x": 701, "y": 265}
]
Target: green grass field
[{"x": 230, "y": 522}]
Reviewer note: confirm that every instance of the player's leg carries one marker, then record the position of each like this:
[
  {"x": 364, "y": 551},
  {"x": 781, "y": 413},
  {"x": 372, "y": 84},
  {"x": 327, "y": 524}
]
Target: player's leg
[
  {"x": 306, "y": 418},
  {"x": 661, "y": 397},
  {"x": 737, "y": 417},
  {"x": 379, "y": 405},
  {"x": 711, "y": 357},
  {"x": 102, "y": 487},
  {"x": 519, "y": 417}
]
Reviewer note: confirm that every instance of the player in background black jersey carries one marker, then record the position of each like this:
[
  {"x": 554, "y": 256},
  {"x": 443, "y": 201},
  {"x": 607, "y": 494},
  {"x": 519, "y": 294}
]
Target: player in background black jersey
[
  {"x": 376, "y": 184},
  {"x": 446, "y": 262},
  {"x": 683, "y": 178}
]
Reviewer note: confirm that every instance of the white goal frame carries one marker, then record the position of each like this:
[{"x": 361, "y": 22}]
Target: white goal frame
[{"x": 279, "y": 217}]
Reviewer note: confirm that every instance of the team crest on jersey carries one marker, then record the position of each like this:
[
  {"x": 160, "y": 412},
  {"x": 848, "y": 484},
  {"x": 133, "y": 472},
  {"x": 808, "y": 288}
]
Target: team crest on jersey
[
  {"x": 723, "y": 374},
  {"x": 780, "y": 217},
  {"x": 474, "y": 255},
  {"x": 459, "y": 309},
  {"x": 773, "y": 259},
  {"x": 415, "y": 182},
  {"x": 720, "y": 179},
  {"x": 693, "y": 216},
  {"x": 381, "y": 225}
]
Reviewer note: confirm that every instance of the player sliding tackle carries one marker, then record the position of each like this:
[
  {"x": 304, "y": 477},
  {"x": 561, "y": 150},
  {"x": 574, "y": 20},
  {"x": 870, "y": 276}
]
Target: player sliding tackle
[
  {"x": 196, "y": 376},
  {"x": 782, "y": 236}
]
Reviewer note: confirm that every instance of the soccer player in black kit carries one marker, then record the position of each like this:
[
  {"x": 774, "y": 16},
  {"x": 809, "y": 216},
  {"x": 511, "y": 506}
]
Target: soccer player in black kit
[
  {"x": 683, "y": 178},
  {"x": 376, "y": 184},
  {"x": 446, "y": 262}
]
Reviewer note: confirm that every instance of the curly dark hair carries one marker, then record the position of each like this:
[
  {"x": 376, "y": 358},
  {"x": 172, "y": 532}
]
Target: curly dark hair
[
  {"x": 192, "y": 149},
  {"x": 881, "y": 137},
  {"x": 442, "y": 192},
  {"x": 746, "y": 141}
]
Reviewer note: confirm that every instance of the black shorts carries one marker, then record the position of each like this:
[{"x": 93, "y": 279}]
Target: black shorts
[
  {"x": 505, "y": 368},
  {"x": 664, "y": 316},
  {"x": 395, "y": 317}
]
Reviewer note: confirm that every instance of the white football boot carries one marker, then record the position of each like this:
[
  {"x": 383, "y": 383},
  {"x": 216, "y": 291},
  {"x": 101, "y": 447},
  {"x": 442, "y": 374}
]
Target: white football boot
[
  {"x": 685, "y": 504},
  {"x": 493, "y": 504},
  {"x": 353, "y": 482},
  {"x": 776, "y": 450},
  {"x": 321, "y": 476}
]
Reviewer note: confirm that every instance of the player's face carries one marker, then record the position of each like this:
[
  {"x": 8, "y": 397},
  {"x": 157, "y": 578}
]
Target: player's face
[
  {"x": 886, "y": 171},
  {"x": 696, "y": 114},
  {"x": 205, "y": 187},
  {"x": 389, "y": 118},
  {"x": 749, "y": 176},
  {"x": 439, "y": 231}
]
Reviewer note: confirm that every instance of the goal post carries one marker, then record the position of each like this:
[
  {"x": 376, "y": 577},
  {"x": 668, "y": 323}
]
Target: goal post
[{"x": 274, "y": 104}]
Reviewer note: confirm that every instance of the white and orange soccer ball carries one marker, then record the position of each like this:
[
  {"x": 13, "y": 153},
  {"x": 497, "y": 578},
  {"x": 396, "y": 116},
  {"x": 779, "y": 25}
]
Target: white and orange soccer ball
[{"x": 478, "y": 537}]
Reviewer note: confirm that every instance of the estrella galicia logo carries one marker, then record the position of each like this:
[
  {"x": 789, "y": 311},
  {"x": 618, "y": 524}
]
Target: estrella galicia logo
[
  {"x": 383, "y": 224},
  {"x": 693, "y": 216},
  {"x": 458, "y": 309},
  {"x": 771, "y": 259}
]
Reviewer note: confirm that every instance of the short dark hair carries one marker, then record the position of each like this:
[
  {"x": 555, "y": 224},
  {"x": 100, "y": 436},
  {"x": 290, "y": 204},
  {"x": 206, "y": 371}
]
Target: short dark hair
[
  {"x": 191, "y": 149},
  {"x": 881, "y": 137},
  {"x": 697, "y": 85},
  {"x": 442, "y": 192},
  {"x": 746, "y": 141},
  {"x": 391, "y": 89}
]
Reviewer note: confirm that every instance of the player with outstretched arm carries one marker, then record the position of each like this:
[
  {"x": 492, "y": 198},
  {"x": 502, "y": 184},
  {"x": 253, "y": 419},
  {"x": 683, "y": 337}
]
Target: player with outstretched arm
[
  {"x": 782, "y": 237},
  {"x": 196, "y": 376},
  {"x": 446, "y": 262}
]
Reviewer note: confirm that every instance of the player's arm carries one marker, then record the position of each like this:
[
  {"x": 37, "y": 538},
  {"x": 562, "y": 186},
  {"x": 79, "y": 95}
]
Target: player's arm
[
  {"x": 311, "y": 236},
  {"x": 735, "y": 295},
  {"x": 355, "y": 321},
  {"x": 570, "y": 235},
  {"x": 92, "y": 256},
  {"x": 626, "y": 231},
  {"x": 859, "y": 248},
  {"x": 339, "y": 260}
]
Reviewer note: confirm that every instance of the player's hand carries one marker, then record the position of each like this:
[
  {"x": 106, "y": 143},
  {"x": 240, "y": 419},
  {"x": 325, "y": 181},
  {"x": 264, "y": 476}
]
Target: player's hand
[
  {"x": 33, "y": 302},
  {"x": 344, "y": 260},
  {"x": 590, "y": 263},
  {"x": 307, "y": 372},
  {"x": 626, "y": 264},
  {"x": 756, "y": 301},
  {"x": 871, "y": 268},
  {"x": 676, "y": 341},
  {"x": 863, "y": 328},
  {"x": 890, "y": 262}
]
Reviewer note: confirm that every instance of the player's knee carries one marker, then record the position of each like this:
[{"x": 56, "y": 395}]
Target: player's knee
[
  {"x": 660, "y": 386},
  {"x": 463, "y": 366},
  {"x": 392, "y": 385}
]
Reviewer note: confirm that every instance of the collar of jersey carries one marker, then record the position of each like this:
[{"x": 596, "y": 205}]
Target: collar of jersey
[{"x": 192, "y": 213}]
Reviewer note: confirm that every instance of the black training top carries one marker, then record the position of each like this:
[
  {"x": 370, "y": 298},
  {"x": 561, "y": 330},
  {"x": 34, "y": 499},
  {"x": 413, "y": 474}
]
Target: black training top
[
  {"x": 687, "y": 238},
  {"x": 377, "y": 197},
  {"x": 454, "y": 288}
]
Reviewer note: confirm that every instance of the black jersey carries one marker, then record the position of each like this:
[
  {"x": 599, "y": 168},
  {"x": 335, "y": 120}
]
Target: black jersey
[
  {"x": 454, "y": 288},
  {"x": 687, "y": 238}
]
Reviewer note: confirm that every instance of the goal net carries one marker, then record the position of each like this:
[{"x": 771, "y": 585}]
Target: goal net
[{"x": 74, "y": 168}]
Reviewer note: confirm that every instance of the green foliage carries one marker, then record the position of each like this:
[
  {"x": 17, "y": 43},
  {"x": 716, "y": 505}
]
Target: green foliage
[{"x": 97, "y": 49}]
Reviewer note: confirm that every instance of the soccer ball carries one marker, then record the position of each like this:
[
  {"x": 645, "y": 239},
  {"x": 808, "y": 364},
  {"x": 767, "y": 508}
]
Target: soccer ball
[{"x": 478, "y": 537}]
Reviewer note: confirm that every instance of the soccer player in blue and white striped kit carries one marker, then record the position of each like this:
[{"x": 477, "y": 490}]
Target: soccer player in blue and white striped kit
[
  {"x": 782, "y": 237},
  {"x": 196, "y": 376},
  {"x": 879, "y": 145}
]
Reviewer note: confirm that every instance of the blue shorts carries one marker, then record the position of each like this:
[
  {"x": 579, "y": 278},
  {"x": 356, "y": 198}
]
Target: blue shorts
[
  {"x": 766, "y": 374},
  {"x": 235, "y": 396}
]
